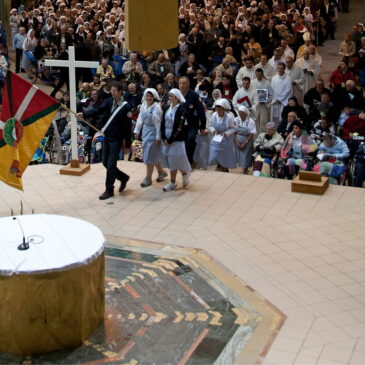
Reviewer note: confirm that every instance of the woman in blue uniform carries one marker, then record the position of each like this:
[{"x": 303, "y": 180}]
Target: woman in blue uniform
[
  {"x": 172, "y": 134},
  {"x": 222, "y": 152},
  {"x": 245, "y": 131},
  {"x": 149, "y": 120}
]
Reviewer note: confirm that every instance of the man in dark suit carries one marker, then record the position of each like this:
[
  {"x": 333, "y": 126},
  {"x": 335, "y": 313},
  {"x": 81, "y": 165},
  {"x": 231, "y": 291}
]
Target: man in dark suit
[{"x": 117, "y": 129}]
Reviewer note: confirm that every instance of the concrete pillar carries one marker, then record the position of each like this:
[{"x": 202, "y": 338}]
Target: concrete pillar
[{"x": 151, "y": 24}]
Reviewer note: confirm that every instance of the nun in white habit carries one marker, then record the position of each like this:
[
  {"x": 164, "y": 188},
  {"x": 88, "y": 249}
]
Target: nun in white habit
[
  {"x": 172, "y": 134},
  {"x": 245, "y": 129},
  {"x": 222, "y": 152},
  {"x": 149, "y": 121}
]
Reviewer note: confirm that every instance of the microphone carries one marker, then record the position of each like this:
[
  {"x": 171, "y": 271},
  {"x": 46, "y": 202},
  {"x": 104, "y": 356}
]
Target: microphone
[{"x": 25, "y": 245}]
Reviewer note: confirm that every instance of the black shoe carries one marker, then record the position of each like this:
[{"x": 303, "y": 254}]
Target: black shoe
[
  {"x": 106, "y": 195},
  {"x": 123, "y": 184}
]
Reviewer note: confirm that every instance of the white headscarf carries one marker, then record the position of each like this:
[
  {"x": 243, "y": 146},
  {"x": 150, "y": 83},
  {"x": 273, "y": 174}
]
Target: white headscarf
[
  {"x": 224, "y": 103},
  {"x": 178, "y": 95},
  {"x": 151, "y": 91},
  {"x": 219, "y": 94},
  {"x": 244, "y": 109}
]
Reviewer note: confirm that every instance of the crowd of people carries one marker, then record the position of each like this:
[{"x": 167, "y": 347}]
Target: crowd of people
[{"x": 243, "y": 88}]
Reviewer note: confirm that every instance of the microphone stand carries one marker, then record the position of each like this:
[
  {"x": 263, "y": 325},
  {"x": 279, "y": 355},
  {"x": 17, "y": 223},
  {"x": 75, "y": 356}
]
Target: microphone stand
[{"x": 25, "y": 244}]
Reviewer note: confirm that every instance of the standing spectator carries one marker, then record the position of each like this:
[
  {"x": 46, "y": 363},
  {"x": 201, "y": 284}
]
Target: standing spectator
[
  {"x": 268, "y": 70},
  {"x": 14, "y": 24},
  {"x": 328, "y": 13},
  {"x": 30, "y": 43},
  {"x": 263, "y": 107},
  {"x": 282, "y": 90},
  {"x": 18, "y": 47},
  {"x": 297, "y": 77}
]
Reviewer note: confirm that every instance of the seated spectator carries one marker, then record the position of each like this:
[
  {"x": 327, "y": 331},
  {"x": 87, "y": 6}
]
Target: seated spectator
[
  {"x": 160, "y": 68},
  {"x": 286, "y": 125},
  {"x": 322, "y": 128},
  {"x": 170, "y": 82},
  {"x": 96, "y": 84},
  {"x": 163, "y": 94},
  {"x": 332, "y": 152},
  {"x": 132, "y": 69},
  {"x": 189, "y": 68},
  {"x": 325, "y": 108},
  {"x": 225, "y": 68},
  {"x": 216, "y": 94},
  {"x": 313, "y": 97},
  {"x": 352, "y": 96},
  {"x": 105, "y": 71},
  {"x": 296, "y": 147},
  {"x": 293, "y": 106},
  {"x": 145, "y": 82},
  {"x": 266, "y": 147},
  {"x": 202, "y": 85},
  {"x": 338, "y": 79},
  {"x": 133, "y": 97},
  {"x": 83, "y": 94},
  {"x": 353, "y": 131},
  {"x": 227, "y": 87}
]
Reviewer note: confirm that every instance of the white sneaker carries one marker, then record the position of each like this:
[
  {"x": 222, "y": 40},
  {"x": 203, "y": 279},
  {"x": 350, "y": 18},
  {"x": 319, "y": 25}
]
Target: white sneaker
[
  {"x": 169, "y": 186},
  {"x": 185, "y": 179}
]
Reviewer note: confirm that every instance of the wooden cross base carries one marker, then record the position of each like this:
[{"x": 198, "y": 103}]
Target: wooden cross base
[
  {"x": 310, "y": 183},
  {"x": 75, "y": 168}
]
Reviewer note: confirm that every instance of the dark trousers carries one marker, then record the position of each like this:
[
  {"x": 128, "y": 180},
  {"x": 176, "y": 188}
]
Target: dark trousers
[
  {"x": 18, "y": 57},
  {"x": 190, "y": 137},
  {"x": 345, "y": 6},
  {"x": 330, "y": 28},
  {"x": 111, "y": 151}
]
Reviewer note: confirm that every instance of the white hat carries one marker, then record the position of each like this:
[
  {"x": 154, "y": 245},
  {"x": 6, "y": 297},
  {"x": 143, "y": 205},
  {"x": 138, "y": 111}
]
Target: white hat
[
  {"x": 151, "y": 91},
  {"x": 224, "y": 103},
  {"x": 243, "y": 108},
  {"x": 178, "y": 95}
]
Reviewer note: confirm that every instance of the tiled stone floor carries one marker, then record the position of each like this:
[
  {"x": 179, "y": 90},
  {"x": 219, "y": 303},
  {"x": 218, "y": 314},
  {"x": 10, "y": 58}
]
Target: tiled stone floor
[
  {"x": 303, "y": 253},
  {"x": 170, "y": 305}
]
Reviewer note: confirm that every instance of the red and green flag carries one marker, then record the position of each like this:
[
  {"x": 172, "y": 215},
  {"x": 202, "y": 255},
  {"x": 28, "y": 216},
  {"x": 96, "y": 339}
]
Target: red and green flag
[{"x": 26, "y": 115}]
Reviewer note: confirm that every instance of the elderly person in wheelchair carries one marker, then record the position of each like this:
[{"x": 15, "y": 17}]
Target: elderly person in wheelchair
[
  {"x": 266, "y": 147},
  {"x": 297, "y": 153},
  {"x": 333, "y": 155}
]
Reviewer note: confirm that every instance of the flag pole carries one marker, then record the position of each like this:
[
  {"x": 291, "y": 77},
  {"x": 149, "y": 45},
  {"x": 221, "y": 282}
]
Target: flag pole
[{"x": 63, "y": 106}]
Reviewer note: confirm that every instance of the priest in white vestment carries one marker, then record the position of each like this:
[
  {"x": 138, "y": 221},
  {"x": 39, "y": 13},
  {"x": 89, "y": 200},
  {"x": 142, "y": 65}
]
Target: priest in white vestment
[
  {"x": 310, "y": 68},
  {"x": 248, "y": 70},
  {"x": 269, "y": 71},
  {"x": 281, "y": 91},
  {"x": 246, "y": 96},
  {"x": 263, "y": 107},
  {"x": 297, "y": 77}
]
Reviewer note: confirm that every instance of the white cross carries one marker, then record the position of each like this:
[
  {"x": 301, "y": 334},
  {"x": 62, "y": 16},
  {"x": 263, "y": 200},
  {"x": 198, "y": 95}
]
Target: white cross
[{"x": 72, "y": 64}]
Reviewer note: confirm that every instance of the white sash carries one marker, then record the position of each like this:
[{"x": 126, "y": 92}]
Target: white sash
[{"x": 112, "y": 116}]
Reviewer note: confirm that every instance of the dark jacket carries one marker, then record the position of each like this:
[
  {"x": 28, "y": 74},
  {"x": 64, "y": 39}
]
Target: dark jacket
[
  {"x": 121, "y": 126},
  {"x": 178, "y": 127},
  {"x": 194, "y": 110}
]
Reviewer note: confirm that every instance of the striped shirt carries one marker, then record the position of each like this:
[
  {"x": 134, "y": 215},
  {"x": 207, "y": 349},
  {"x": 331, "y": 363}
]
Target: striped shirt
[{"x": 19, "y": 40}]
